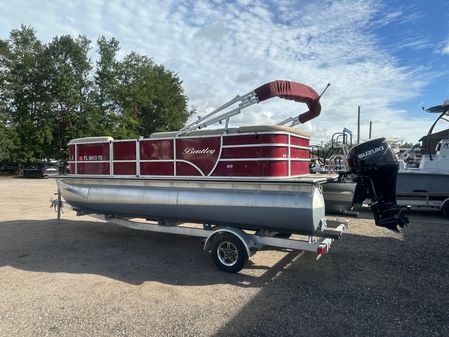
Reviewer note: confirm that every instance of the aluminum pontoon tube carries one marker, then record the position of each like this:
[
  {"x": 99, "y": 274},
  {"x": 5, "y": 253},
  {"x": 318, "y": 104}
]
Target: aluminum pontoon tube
[{"x": 280, "y": 206}]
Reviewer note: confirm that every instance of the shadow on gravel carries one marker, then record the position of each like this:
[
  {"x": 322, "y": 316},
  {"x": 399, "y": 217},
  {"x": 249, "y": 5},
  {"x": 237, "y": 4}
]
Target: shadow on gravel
[
  {"x": 366, "y": 286},
  {"x": 415, "y": 215},
  {"x": 120, "y": 253}
]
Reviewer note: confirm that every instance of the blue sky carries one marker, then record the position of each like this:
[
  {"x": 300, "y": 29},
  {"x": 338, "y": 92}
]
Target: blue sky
[
  {"x": 421, "y": 41},
  {"x": 390, "y": 57}
]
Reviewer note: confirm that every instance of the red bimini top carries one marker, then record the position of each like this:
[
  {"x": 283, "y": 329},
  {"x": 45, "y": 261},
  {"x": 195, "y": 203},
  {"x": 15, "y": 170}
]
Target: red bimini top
[{"x": 293, "y": 91}]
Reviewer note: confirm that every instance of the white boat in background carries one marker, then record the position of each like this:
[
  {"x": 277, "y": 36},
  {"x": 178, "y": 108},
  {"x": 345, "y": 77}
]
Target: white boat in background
[{"x": 428, "y": 184}]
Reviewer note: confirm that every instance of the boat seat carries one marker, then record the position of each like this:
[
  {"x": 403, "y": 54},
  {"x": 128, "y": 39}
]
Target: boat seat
[
  {"x": 204, "y": 132},
  {"x": 242, "y": 129},
  {"x": 273, "y": 128},
  {"x": 104, "y": 139}
]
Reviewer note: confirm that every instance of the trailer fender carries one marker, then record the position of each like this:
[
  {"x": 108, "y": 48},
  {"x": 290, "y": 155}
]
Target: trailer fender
[{"x": 241, "y": 235}]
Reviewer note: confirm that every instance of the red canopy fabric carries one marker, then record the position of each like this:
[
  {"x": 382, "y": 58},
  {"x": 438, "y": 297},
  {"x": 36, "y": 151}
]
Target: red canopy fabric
[{"x": 294, "y": 91}]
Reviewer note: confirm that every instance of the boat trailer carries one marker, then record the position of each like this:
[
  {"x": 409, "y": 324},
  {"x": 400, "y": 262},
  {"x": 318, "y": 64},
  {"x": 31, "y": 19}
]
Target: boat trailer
[{"x": 230, "y": 247}]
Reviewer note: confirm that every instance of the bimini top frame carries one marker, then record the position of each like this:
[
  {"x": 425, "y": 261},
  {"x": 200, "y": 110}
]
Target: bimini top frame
[
  {"x": 443, "y": 110},
  {"x": 301, "y": 118},
  {"x": 284, "y": 89}
]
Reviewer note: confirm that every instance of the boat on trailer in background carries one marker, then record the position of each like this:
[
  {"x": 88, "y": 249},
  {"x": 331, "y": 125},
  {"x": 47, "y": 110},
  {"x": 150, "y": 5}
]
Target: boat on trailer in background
[
  {"x": 331, "y": 163},
  {"x": 230, "y": 180}
]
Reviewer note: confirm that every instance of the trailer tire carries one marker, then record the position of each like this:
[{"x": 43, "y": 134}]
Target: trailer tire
[
  {"x": 445, "y": 208},
  {"x": 229, "y": 253}
]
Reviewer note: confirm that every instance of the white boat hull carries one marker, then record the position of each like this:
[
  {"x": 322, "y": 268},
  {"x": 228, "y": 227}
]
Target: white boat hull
[{"x": 417, "y": 182}]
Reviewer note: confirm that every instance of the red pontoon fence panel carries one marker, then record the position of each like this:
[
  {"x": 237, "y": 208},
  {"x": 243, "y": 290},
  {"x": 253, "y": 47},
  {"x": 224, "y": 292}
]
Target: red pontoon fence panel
[{"x": 258, "y": 152}]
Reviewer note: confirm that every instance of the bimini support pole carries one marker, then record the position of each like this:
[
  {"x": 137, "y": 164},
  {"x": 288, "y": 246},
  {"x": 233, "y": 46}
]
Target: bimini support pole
[
  {"x": 246, "y": 100},
  {"x": 295, "y": 120},
  {"x": 284, "y": 89}
]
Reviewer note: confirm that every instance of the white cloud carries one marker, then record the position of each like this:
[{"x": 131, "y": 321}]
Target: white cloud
[
  {"x": 221, "y": 49},
  {"x": 445, "y": 49}
]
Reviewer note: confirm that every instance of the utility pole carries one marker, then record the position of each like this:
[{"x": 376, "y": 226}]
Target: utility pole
[
  {"x": 358, "y": 125},
  {"x": 370, "y": 128}
]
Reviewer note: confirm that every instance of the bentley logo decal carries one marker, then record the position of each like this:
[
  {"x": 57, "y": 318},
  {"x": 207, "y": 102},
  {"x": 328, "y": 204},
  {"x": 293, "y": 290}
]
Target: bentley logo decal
[{"x": 192, "y": 150}]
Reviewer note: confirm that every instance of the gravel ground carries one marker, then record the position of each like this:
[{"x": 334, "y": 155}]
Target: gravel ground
[{"x": 86, "y": 278}]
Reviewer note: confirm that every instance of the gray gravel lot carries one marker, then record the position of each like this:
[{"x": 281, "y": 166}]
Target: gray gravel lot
[{"x": 86, "y": 278}]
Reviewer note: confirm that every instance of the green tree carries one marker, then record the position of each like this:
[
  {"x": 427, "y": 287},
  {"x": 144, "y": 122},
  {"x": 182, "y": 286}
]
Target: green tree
[
  {"x": 149, "y": 98},
  {"x": 407, "y": 145},
  {"x": 105, "y": 80},
  {"x": 69, "y": 89},
  {"x": 51, "y": 93},
  {"x": 24, "y": 95},
  {"x": 7, "y": 138},
  {"x": 167, "y": 110},
  {"x": 5, "y": 144}
]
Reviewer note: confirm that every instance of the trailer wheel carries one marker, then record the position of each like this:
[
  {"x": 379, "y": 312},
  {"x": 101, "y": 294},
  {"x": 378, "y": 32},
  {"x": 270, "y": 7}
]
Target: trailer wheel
[
  {"x": 445, "y": 209},
  {"x": 229, "y": 253}
]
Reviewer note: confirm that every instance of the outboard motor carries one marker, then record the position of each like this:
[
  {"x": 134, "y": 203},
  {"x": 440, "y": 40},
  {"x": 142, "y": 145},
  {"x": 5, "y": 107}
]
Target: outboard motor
[{"x": 376, "y": 168}]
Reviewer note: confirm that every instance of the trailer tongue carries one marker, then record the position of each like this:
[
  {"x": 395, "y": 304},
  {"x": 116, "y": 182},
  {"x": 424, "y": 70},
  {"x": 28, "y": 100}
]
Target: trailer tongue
[{"x": 230, "y": 180}]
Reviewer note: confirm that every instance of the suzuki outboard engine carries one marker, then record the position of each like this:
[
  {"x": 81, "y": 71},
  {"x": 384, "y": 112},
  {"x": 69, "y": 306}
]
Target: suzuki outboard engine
[{"x": 376, "y": 169}]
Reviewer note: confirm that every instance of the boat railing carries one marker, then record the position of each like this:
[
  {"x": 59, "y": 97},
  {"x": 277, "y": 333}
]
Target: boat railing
[{"x": 333, "y": 159}]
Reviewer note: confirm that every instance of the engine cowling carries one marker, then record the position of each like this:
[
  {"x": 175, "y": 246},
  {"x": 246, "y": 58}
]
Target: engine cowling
[{"x": 376, "y": 167}]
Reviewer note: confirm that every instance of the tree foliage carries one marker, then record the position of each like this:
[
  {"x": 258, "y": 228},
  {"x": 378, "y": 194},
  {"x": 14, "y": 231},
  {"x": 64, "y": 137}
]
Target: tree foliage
[
  {"x": 51, "y": 93},
  {"x": 23, "y": 94}
]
